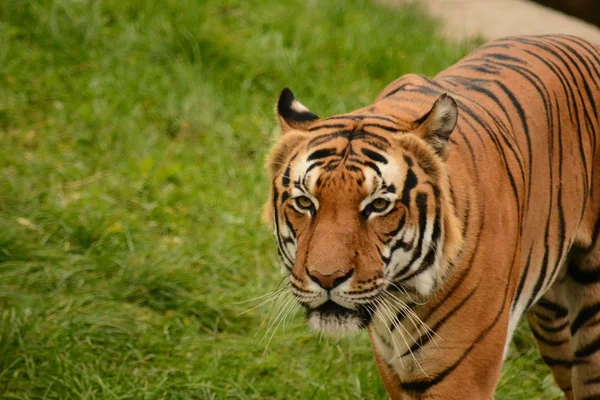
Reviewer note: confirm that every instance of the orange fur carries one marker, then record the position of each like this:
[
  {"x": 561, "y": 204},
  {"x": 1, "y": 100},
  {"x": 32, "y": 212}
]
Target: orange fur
[{"x": 474, "y": 225}]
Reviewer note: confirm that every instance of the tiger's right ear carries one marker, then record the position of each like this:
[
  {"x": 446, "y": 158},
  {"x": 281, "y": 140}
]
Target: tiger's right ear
[
  {"x": 292, "y": 114},
  {"x": 438, "y": 123}
]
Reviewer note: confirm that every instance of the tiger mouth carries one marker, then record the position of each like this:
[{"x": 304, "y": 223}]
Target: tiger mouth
[{"x": 331, "y": 317}]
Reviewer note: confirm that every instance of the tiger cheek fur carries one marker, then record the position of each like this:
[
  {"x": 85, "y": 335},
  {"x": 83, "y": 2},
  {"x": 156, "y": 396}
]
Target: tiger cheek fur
[{"x": 441, "y": 214}]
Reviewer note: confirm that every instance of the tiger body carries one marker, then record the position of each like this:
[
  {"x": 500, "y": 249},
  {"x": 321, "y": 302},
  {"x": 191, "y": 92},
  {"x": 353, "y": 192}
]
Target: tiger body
[{"x": 491, "y": 180}]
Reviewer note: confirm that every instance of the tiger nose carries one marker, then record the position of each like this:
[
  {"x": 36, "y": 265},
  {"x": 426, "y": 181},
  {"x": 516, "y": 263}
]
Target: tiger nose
[{"x": 330, "y": 281}]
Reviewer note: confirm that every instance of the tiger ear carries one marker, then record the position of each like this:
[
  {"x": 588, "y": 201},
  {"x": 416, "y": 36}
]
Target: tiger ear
[
  {"x": 291, "y": 113},
  {"x": 436, "y": 125}
]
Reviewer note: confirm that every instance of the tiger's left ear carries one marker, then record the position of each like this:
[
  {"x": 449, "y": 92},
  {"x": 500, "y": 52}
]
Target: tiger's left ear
[
  {"x": 436, "y": 126},
  {"x": 292, "y": 114}
]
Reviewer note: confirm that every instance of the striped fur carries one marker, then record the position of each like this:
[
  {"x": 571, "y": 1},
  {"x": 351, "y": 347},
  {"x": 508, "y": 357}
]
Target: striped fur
[{"x": 437, "y": 233}]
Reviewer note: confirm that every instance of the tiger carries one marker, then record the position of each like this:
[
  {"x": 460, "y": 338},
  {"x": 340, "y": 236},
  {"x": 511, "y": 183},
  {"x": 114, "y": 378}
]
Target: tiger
[{"x": 438, "y": 216}]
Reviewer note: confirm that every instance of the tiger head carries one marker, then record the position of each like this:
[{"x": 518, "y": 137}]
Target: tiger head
[{"x": 360, "y": 208}]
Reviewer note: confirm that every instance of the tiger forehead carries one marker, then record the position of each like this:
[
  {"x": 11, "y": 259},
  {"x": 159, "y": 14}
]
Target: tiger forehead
[
  {"x": 374, "y": 129},
  {"x": 348, "y": 155},
  {"x": 341, "y": 182},
  {"x": 342, "y": 163},
  {"x": 361, "y": 124}
]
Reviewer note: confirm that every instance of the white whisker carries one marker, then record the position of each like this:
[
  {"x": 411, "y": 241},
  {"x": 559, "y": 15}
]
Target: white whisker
[
  {"x": 274, "y": 323},
  {"x": 288, "y": 306},
  {"x": 398, "y": 324},
  {"x": 261, "y": 297},
  {"x": 414, "y": 317},
  {"x": 272, "y": 311},
  {"x": 274, "y": 296},
  {"x": 395, "y": 344}
]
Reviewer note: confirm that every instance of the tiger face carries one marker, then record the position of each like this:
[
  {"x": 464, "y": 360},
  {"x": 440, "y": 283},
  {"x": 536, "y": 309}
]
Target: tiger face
[{"x": 360, "y": 209}]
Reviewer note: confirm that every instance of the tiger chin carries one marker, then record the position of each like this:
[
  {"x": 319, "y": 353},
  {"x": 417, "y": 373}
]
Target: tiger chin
[{"x": 438, "y": 216}]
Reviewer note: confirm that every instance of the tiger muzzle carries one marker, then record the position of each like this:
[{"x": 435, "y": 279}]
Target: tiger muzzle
[{"x": 330, "y": 281}]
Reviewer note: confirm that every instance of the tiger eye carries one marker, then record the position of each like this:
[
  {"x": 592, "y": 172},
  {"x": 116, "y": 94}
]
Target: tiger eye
[
  {"x": 380, "y": 204},
  {"x": 304, "y": 202}
]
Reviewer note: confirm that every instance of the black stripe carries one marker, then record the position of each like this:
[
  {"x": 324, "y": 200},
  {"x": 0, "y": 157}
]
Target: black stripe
[
  {"x": 380, "y": 117},
  {"x": 358, "y": 117},
  {"x": 426, "y": 338},
  {"x": 544, "y": 270},
  {"x": 392, "y": 129},
  {"x": 591, "y": 397},
  {"x": 410, "y": 183},
  {"x": 583, "y": 277},
  {"x": 522, "y": 280},
  {"x": 348, "y": 135},
  {"x": 540, "y": 338},
  {"x": 584, "y": 316},
  {"x": 430, "y": 257},
  {"x": 504, "y": 57},
  {"x": 373, "y": 166},
  {"x": 285, "y": 180},
  {"x": 588, "y": 349},
  {"x": 422, "y": 209},
  {"x": 384, "y": 341},
  {"x": 484, "y": 69},
  {"x": 554, "y": 362},
  {"x": 517, "y": 106},
  {"x": 375, "y": 156},
  {"x": 553, "y": 329},
  {"x": 289, "y": 225},
  {"x": 314, "y": 165},
  {"x": 562, "y": 237},
  {"x": 326, "y": 126},
  {"x": 399, "y": 88},
  {"x": 542, "y": 317},
  {"x": 592, "y": 381},
  {"x": 321, "y": 153},
  {"x": 399, "y": 244},
  {"x": 377, "y": 145},
  {"x": 558, "y": 310},
  {"x": 398, "y": 227},
  {"x": 280, "y": 246},
  {"x": 427, "y": 262}
]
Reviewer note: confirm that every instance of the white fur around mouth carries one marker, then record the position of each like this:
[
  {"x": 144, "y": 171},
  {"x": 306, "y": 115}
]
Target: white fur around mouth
[
  {"x": 332, "y": 319},
  {"x": 335, "y": 325}
]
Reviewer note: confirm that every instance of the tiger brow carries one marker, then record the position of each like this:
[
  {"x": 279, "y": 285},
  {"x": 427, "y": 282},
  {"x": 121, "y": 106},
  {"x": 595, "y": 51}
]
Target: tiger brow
[{"x": 349, "y": 135}]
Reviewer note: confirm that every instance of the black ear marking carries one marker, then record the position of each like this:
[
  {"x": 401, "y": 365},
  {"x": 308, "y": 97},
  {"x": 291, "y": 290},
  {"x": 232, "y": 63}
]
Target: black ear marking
[{"x": 292, "y": 114}]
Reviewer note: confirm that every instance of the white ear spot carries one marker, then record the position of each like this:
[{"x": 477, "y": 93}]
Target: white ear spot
[{"x": 298, "y": 107}]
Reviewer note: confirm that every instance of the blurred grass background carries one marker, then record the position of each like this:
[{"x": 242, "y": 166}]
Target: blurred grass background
[{"x": 132, "y": 135}]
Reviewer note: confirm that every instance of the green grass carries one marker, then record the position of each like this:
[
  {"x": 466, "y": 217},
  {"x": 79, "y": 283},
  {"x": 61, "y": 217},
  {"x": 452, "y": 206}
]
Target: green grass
[{"x": 132, "y": 138}]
